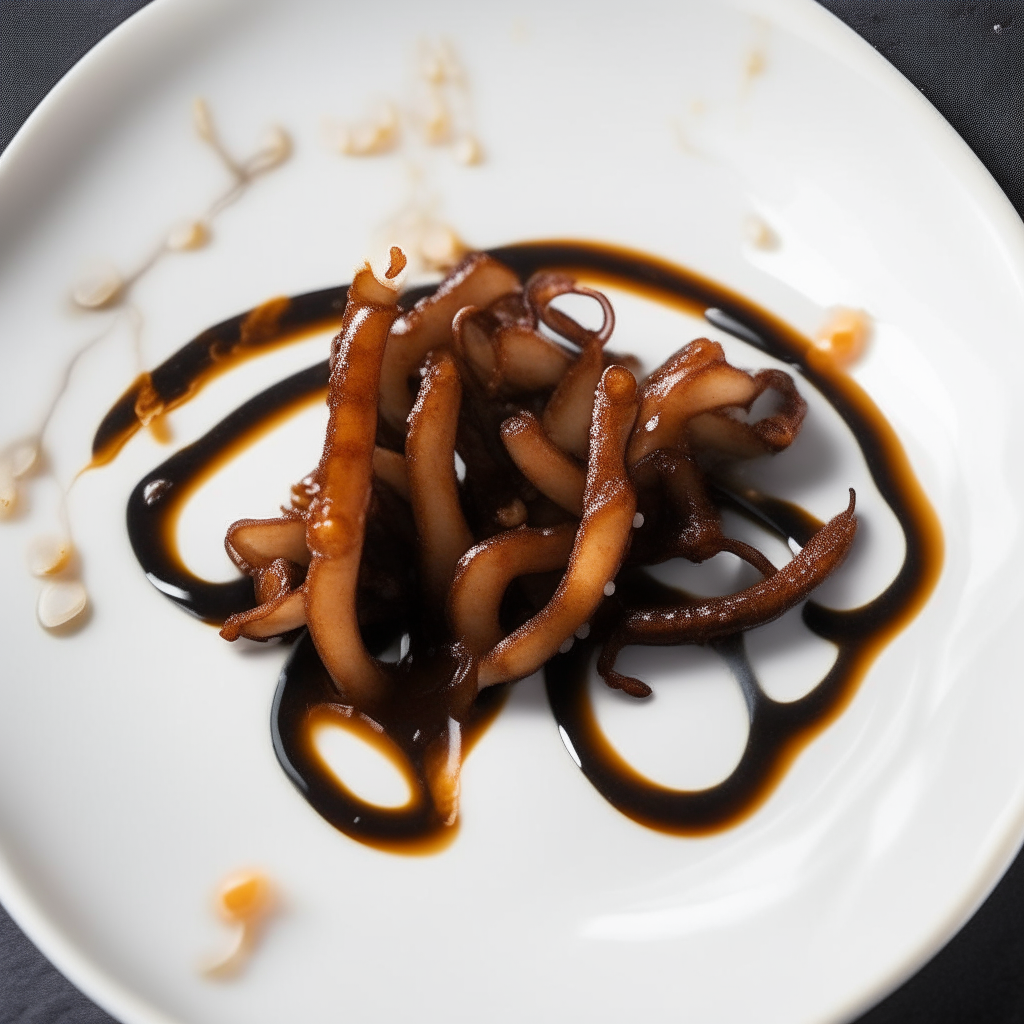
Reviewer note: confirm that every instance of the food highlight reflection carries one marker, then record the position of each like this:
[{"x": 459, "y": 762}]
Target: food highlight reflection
[{"x": 576, "y": 478}]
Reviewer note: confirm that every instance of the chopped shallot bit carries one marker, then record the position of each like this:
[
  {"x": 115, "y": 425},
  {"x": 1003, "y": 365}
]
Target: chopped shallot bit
[
  {"x": 844, "y": 335},
  {"x": 468, "y": 150},
  {"x": 189, "y": 234},
  {"x": 201, "y": 119},
  {"x": 99, "y": 288},
  {"x": 48, "y": 553},
  {"x": 244, "y": 900},
  {"x": 759, "y": 233},
  {"x": 378, "y": 134},
  {"x": 8, "y": 489},
  {"x": 60, "y": 602},
  {"x": 24, "y": 457},
  {"x": 276, "y": 148},
  {"x": 244, "y": 897}
]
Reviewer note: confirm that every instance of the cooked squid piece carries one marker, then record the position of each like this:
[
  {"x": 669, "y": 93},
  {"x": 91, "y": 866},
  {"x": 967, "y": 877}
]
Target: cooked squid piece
[
  {"x": 486, "y": 570},
  {"x": 723, "y": 433},
  {"x": 696, "y": 392},
  {"x": 609, "y": 505},
  {"x": 476, "y": 281},
  {"x": 543, "y": 463},
  {"x": 281, "y": 605},
  {"x": 571, "y": 468},
  {"x": 699, "y": 535},
  {"x": 256, "y": 543},
  {"x": 444, "y": 536},
  {"x": 711, "y": 619},
  {"x": 502, "y": 347},
  {"x": 567, "y": 414},
  {"x": 336, "y": 518}
]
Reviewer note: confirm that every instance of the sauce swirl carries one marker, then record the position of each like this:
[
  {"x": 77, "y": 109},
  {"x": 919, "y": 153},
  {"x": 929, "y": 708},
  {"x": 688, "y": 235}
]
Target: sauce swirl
[{"x": 305, "y": 697}]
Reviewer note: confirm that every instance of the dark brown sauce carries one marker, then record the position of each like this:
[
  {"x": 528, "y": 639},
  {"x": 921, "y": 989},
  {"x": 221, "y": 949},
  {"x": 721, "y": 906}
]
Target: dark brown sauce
[{"x": 305, "y": 695}]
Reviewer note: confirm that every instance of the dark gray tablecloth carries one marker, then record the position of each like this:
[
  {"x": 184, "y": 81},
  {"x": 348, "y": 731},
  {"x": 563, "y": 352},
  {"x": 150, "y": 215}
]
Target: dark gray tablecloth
[{"x": 968, "y": 59}]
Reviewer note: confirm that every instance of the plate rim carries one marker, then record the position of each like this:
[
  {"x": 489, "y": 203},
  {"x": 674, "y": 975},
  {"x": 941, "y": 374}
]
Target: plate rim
[{"x": 809, "y": 20}]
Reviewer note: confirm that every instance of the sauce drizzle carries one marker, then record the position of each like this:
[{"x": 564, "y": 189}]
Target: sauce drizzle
[{"x": 305, "y": 696}]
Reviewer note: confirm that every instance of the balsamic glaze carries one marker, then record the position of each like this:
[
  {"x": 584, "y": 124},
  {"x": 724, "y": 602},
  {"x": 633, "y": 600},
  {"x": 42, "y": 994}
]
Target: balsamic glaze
[{"x": 305, "y": 695}]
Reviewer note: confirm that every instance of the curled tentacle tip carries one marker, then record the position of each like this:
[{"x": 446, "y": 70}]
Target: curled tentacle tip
[
  {"x": 619, "y": 384},
  {"x": 513, "y": 425},
  {"x": 629, "y": 685}
]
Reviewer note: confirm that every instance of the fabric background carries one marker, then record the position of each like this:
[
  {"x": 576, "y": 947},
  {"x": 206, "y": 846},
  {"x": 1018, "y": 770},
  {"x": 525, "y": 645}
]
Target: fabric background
[{"x": 967, "y": 58}]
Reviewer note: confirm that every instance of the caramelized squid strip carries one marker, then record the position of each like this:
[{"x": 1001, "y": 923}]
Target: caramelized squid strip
[
  {"x": 694, "y": 380},
  {"x": 718, "y": 617},
  {"x": 528, "y": 361},
  {"x": 543, "y": 463},
  {"x": 701, "y": 537},
  {"x": 567, "y": 414},
  {"x": 507, "y": 356},
  {"x": 609, "y": 503},
  {"x": 444, "y": 536},
  {"x": 254, "y": 543},
  {"x": 336, "y": 522},
  {"x": 281, "y": 608},
  {"x": 721, "y": 433},
  {"x": 390, "y": 467},
  {"x": 476, "y": 281},
  {"x": 486, "y": 570}
]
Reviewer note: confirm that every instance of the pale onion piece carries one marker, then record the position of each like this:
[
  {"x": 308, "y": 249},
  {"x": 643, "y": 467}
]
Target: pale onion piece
[
  {"x": 48, "y": 553},
  {"x": 23, "y": 457},
  {"x": 60, "y": 602},
  {"x": 201, "y": 119},
  {"x": 437, "y": 123},
  {"x": 758, "y": 232},
  {"x": 432, "y": 67},
  {"x": 228, "y": 963},
  {"x": 98, "y": 288},
  {"x": 276, "y": 148},
  {"x": 468, "y": 151},
  {"x": 189, "y": 234},
  {"x": 440, "y": 247},
  {"x": 8, "y": 489},
  {"x": 244, "y": 896},
  {"x": 844, "y": 335},
  {"x": 370, "y": 137}
]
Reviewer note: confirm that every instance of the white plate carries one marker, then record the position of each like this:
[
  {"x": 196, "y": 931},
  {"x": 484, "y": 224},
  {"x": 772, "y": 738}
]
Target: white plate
[{"x": 135, "y": 762}]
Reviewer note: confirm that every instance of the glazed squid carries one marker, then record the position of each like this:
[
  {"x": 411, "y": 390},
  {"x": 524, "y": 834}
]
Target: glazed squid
[{"x": 489, "y": 469}]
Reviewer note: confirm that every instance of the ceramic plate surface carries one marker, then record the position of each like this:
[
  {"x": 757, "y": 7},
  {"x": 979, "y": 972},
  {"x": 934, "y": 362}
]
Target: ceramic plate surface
[{"x": 136, "y": 767}]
